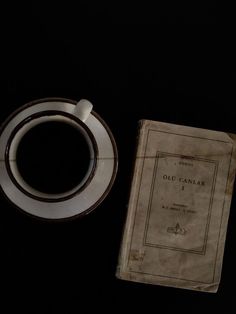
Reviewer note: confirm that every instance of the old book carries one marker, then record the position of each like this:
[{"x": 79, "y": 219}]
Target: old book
[{"x": 179, "y": 207}]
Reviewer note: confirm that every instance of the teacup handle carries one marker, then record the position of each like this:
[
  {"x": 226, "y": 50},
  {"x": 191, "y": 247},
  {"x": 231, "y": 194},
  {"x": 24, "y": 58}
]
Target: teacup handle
[{"x": 83, "y": 109}]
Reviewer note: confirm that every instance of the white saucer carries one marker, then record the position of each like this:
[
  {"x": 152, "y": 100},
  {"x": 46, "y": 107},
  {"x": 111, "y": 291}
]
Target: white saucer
[{"x": 80, "y": 200}]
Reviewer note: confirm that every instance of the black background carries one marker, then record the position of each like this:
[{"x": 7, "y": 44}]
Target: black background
[{"x": 168, "y": 62}]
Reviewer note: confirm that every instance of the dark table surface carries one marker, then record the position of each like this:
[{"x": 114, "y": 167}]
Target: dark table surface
[{"x": 169, "y": 63}]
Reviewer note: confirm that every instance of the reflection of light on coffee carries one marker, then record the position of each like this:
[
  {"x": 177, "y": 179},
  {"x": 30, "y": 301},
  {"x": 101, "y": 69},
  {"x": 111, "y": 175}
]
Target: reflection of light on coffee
[{"x": 53, "y": 157}]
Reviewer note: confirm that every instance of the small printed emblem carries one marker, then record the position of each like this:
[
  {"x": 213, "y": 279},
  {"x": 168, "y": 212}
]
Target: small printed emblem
[{"x": 177, "y": 230}]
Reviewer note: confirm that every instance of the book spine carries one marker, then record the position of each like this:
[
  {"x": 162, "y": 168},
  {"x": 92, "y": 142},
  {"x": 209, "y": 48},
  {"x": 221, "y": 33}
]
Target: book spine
[{"x": 126, "y": 237}]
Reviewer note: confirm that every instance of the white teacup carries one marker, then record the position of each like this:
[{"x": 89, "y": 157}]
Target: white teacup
[{"x": 102, "y": 164}]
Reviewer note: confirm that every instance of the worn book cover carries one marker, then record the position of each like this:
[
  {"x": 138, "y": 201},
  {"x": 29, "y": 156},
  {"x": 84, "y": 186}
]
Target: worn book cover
[{"x": 179, "y": 207}]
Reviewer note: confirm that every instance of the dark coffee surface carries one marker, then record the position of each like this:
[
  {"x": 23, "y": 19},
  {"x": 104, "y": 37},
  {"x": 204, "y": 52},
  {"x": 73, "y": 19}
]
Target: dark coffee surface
[{"x": 53, "y": 157}]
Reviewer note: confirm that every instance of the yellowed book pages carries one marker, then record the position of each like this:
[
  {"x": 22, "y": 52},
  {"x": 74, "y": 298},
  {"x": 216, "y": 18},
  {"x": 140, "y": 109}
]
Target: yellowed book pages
[{"x": 179, "y": 207}]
